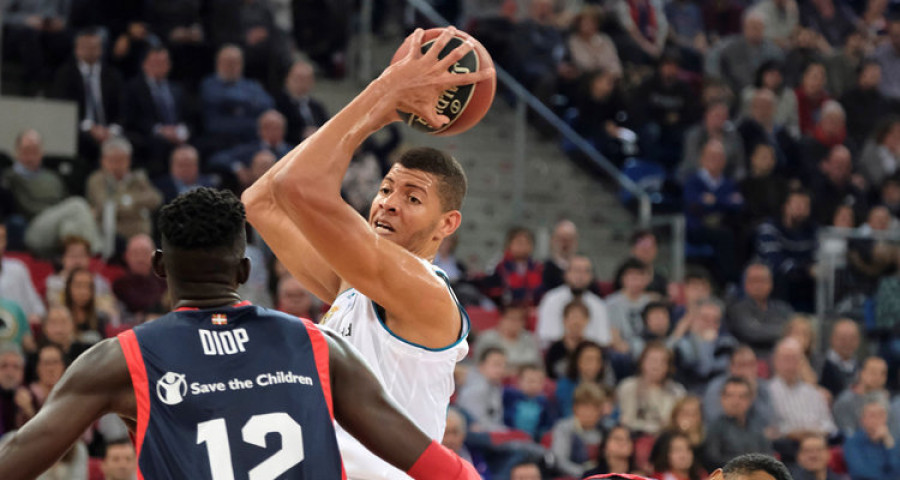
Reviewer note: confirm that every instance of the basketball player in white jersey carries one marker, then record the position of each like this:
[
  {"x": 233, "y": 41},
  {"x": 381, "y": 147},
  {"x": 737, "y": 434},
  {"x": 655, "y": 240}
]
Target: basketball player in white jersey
[{"x": 388, "y": 300}]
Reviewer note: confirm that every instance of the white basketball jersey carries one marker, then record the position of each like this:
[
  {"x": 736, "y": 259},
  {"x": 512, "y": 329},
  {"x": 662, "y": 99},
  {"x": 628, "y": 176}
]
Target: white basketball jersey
[{"x": 419, "y": 379}]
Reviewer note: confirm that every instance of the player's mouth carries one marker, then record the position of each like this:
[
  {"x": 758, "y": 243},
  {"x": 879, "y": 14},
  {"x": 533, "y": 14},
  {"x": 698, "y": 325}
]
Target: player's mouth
[{"x": 383, "y": 227}]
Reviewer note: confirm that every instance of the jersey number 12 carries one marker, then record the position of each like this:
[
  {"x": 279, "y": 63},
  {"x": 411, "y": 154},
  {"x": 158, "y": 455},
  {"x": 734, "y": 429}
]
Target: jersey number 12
[{"x": 215, "y": 434}]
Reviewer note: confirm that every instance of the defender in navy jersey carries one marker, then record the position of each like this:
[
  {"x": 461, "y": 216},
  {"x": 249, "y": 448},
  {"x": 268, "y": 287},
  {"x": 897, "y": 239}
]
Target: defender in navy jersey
[{"x": 220, "y": 389}]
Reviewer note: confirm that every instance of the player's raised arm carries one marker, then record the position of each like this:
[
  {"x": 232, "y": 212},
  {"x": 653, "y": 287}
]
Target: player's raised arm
[
  {"x": 306, "y": 185},
  {"x": 287, "y": 241},
  {"x": 97, "y": 383},
  {"x": 363, "y": 408}
]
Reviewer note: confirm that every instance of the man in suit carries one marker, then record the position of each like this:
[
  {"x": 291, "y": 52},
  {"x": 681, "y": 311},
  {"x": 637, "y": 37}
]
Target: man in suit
[
  {"x": 712, "y": 203},
  {"x": 154, "y": 112},
  {"x": 98, "y": 90},
  {"x": 184, "y": 174},
  {"x": 236, "y": 162},
  {"x": 304, "y": 114}
]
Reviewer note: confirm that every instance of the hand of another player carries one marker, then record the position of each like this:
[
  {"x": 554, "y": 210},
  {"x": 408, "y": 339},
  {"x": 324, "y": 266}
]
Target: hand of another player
[{"x": 415, "y": 83}]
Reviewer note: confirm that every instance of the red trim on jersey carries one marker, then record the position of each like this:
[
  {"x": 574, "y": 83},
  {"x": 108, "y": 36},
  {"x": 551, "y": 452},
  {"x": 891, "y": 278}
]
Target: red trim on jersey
[
  {"x": 245, "y": 303},
  {"x": 135, "y": 362},
  {"x": 320, "y": 354}
]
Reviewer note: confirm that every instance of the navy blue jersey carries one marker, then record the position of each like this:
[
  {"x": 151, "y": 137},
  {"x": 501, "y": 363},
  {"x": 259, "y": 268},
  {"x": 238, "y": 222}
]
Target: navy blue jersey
[{"x": 234, "y": 393}]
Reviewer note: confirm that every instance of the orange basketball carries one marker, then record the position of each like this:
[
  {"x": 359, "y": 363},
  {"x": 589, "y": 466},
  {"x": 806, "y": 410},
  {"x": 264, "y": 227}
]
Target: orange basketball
[{"x": 464, "y": 105}]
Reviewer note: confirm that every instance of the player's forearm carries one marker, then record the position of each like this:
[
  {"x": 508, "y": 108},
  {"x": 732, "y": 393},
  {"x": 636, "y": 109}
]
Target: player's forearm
[{"x": 317, "y": 166}]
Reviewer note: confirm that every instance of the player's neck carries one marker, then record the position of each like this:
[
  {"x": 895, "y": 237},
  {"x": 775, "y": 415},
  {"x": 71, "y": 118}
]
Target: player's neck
[{"x": 202, "y": 295}]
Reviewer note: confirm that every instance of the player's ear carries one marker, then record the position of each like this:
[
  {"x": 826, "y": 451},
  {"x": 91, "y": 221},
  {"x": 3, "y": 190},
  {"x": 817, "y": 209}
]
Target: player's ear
[
  {"x": 158, "y": 267},
  {"x": 243, "y": 271},
  {"x": 450, "y": 221},
  {"x": 716, "y": 475}
]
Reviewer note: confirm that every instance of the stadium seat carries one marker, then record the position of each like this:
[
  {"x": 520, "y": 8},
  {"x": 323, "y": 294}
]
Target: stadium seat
[
  {"x": 482, "y": 319},
  {"x": 95, "y": 472},
  {"x": 837, "y": 462},
  {"x": 39, "y": 270}
]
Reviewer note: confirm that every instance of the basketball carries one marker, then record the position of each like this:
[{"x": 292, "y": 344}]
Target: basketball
[{"x": 464, "y": 105}]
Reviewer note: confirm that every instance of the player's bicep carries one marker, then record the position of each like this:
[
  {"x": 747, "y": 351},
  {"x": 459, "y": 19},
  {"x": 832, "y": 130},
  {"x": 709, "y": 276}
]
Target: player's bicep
[
  {"x": 289, "y": 244},
  {"x": 364, "y": 409},
  {"x": 92, "y": 386}
]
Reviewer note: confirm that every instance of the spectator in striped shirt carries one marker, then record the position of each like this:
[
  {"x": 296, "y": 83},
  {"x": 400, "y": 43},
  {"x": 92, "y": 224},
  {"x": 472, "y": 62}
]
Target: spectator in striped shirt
[{"x": 799, "y": 406}]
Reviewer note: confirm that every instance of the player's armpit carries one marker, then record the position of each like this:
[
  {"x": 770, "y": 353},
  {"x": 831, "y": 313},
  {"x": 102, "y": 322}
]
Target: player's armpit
[
  {"x": 288, "y": 242},
  {"x": 380, "y": 269},
  {"x": 95, "y": 384}
]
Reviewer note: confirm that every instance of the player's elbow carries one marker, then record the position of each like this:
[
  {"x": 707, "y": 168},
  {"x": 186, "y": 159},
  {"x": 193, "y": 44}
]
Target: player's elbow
[{"x": 297, "y": 190}]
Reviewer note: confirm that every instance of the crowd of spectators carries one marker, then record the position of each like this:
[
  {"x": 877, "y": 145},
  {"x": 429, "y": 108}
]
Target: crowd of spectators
[{"x": 768, "y": 119}]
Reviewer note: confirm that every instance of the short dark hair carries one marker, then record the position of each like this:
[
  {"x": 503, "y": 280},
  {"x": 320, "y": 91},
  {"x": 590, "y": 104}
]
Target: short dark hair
[
  {"x": 515, "y": 231},
  {"x": 632, "y": 264},
  {"x": 203, "y": 218},
  {"x": 116, "y": 442},
  {"x": 640, "y": 235},
  {"x": 754, "y": 462},
  {"x": 697, "y": 274},
  {"x": 734, "y": 380},
  {"x": 89, "y": 32},
  {"x": 529, "y": 367},
  {"x": 488, "y": 352},
  {"x": 655, "y": 305},
  {"x": 453, "y": 183}
]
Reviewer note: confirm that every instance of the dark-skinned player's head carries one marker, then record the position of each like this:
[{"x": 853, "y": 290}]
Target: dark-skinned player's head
[
  {"x": 752, "y": 466},
  {"x": 203, "y": 239},
  {"x": 418, "y": 203}
]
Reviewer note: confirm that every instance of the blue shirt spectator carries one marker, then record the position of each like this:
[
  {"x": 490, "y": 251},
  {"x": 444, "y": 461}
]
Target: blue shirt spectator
[
  {"x": 871, "y": 453},
  {"x": 525, "y": 407},
  {"x": 270, "y": 130},
  {"x": 231, "y": 104}
]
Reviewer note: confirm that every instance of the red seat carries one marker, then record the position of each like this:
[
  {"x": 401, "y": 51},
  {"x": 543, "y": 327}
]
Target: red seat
[
  {"x": 498, "y": 438},
  {"x": 483, "y": 319},
  {"x": 107, "y": 271},
  {"x": 837, "y": 462},
  {"x": 112, "y": 331},
  {"x": 547, "y": 440},
  {"x": 95, "y": 472},
  {"x": 39, "y": 270},
  {"x": 643, "y": 447}
]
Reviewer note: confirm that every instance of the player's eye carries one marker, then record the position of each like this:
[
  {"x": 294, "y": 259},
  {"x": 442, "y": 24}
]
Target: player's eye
[
  {"x": 385, "y": 190},
  {"x": 415, "y": 200}
]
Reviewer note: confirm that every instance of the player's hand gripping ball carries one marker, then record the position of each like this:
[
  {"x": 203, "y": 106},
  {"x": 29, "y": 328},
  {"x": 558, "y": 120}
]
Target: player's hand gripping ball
[{"x": 464, "y": 105}]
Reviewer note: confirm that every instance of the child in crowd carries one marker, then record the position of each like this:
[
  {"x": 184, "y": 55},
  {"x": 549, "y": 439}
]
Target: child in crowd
[
  {"x": 525, "y": 407},
  {"x": 482, "y": 394},
  {"x": 576, "y": 439}
]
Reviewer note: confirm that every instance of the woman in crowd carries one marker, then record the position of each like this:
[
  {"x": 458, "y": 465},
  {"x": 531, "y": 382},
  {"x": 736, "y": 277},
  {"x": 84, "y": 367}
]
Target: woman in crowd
[
  {"x": 676, "y": 460},
  {"x": 575, "y": 318},
  {"x": 616, "y": 453},
  {"x": 647, "y": 399},
  {"x": 80, "y": 299},
  {"x": 770, "y": 76},
  {"x": 587, "y": 364}
]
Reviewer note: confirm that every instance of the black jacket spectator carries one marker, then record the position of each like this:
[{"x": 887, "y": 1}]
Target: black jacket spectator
[{"x": 69, "y": 85}]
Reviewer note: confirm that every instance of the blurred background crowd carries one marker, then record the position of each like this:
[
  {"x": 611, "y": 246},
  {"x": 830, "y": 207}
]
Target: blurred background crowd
[{"x": 763, "y": 123}]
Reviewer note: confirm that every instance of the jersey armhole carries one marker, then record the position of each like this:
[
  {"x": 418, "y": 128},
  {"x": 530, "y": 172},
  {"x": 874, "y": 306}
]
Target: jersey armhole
[
  {"x": 463, "y": 315},
  {"x": 138, "y": 371}
]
